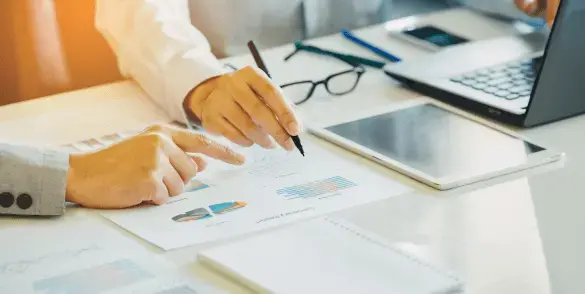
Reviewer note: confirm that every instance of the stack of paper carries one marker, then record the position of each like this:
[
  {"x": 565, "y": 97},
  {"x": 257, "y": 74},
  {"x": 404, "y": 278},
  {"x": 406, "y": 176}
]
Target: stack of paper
[{"x": 327, "y": 256}]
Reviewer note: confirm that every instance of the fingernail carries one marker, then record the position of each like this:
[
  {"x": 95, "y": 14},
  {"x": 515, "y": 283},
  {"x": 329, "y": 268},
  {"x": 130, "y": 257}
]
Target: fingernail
[
  {"x": 294, "y": 128},
  {"x": 240, "y": 159}
]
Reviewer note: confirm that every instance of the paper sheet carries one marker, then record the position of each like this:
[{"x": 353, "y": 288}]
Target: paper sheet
[
  {"x": 320, "y": 251},
  {"x": 84, "y": 257},
  {"x": 274, "y": 187}
]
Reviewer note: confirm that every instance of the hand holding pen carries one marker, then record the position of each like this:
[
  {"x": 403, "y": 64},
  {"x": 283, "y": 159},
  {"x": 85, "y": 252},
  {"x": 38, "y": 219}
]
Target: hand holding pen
[
  {"x": 260, "y": 63},
  {"x": 246, "y": 107}
]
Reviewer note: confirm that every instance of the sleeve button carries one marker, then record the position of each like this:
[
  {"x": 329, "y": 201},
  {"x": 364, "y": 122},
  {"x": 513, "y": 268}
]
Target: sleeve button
[
  {"x": 6, "y": 200},
  {"x": 24, "y": 201}
]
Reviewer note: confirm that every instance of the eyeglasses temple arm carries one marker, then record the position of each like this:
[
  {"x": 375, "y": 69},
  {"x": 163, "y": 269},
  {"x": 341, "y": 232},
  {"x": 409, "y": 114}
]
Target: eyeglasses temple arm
[{"x": 351, "y": 59}]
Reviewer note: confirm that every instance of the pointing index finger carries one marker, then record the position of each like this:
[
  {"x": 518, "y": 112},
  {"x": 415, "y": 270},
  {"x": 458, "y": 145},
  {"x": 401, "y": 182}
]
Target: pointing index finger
[{"x": 199, "y": 143}]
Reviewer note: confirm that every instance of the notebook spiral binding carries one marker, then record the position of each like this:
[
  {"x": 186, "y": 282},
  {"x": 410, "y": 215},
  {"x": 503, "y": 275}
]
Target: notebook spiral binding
[{"x": 376, "y": 240}]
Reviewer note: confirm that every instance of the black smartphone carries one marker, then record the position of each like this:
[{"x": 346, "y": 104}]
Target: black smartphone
[{"x": 431, "y": 37}]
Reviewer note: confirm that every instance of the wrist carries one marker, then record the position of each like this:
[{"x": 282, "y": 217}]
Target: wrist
[
  {"x": 69, "y": 194},
  {"x": 197, "y": 97},
  {"x": 189, "y": 112}
]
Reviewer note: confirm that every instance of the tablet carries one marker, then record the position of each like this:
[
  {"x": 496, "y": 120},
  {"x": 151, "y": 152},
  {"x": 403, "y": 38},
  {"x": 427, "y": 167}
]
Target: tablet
[{"x": 436, "y": 146}]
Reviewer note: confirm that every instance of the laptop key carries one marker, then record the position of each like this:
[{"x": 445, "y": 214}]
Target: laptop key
[
  {"x": 520, "y": 89},
  {"x": 491, "y": 90},
  {"x": 512, "y": 96},
  {"x": 469, "y": 82},
  {"x": 498, "y": 81},
  {"x": 482, "y": 79},
  {"x": 480, "y": 86},
  {"x": 517, "y": 76},
  {"x": 513, "y": 70},
  {"x": 496, "y": 75},
  {"x": 521, "y": 82},
  {"x": 457, "y": 79},
  {"x": 502, "y": 93},
  {"x": 526, "y": 93},
  {"x": 505, "y": 86}
]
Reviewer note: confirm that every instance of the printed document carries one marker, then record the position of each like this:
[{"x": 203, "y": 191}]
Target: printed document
[
  {"x": 274, "y": 187},
  {"x": 85, "y": 257}
]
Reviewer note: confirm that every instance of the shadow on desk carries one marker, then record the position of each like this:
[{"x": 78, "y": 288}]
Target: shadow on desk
[{"x": 50, "y": 47}]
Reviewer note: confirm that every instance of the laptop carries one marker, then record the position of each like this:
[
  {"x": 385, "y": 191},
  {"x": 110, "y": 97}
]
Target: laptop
[{"x": 523, "y": 80}]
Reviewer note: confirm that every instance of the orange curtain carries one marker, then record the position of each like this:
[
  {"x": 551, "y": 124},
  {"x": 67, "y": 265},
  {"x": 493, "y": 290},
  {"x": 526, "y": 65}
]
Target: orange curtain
[
  {"x": 51, "y": 46},
  {"x": 42, "y": 67}
]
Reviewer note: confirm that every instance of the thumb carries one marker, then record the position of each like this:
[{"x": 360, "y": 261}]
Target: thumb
[{"x": 201, "y": 164}]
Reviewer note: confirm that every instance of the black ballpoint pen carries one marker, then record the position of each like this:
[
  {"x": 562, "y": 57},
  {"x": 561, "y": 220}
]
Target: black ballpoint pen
[{"x": 262, "y": 66}]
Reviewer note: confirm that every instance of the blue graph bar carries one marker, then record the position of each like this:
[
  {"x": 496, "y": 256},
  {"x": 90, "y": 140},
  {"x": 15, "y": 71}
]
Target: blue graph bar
[{"x": 316, "y": 188}]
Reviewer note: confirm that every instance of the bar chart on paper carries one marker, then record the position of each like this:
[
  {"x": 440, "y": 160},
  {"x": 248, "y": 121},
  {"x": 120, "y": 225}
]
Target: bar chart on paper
[{"x": 316, "y": 188}]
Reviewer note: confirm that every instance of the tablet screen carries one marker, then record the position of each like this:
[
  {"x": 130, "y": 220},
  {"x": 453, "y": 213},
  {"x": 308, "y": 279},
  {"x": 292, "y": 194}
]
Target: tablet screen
[
  {"x": 436, "y": 141},
  {"x": 435, "y": 36}
]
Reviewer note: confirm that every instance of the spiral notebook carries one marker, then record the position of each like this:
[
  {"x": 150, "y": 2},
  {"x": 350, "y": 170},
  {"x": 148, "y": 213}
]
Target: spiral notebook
[{"x": 326, "y": 255}]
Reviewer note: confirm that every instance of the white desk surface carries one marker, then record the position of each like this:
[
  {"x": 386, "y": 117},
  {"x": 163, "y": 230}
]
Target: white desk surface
[{"x": 522, "y": 234}]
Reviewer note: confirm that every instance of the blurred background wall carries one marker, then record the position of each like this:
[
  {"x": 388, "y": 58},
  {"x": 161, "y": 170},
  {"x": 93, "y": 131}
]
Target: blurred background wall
[{"x": 51, "y": 46}]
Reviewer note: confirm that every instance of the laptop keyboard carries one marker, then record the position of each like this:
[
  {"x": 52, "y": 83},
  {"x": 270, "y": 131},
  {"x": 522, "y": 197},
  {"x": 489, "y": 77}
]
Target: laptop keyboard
[{"x": 510, "y": 81}]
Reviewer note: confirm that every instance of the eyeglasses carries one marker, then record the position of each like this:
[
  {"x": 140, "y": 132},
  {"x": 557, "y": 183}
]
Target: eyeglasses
[{"x": 336, "y": 84}]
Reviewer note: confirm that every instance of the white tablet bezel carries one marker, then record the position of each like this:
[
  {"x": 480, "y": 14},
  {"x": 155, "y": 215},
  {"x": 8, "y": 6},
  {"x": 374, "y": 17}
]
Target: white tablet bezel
[{"x": 442, "y": 183}]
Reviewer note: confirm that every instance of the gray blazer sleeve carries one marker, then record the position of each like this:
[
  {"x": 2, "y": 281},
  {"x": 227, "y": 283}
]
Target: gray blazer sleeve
[{"x": 32, "y": 180}]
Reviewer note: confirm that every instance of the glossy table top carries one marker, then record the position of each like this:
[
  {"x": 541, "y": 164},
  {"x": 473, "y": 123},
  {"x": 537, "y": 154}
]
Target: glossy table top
[{"x": 521, "y": 233}]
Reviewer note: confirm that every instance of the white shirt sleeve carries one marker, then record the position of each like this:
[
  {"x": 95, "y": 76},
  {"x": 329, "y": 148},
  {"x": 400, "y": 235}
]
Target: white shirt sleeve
[
  {"x": 502, "y": 8},
  {"x": 158, "y": 47}
]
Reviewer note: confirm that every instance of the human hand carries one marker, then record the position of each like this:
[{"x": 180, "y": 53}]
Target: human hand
[
  {"x": 149, "y": 167},
  {"x": 246, "y": 108},
  {"x": 540, "y": 8}
]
